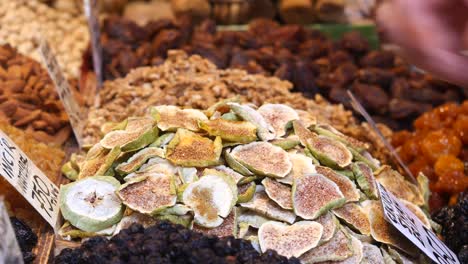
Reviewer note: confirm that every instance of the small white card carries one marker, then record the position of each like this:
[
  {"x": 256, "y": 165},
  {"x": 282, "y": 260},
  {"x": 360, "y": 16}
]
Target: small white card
[
  {"x": 411, "y": 227},
  {"x": 29, "y": 180}
]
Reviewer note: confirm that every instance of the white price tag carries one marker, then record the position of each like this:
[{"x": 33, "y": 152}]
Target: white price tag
[
  {"x": 411, "y": 227},
  {"x": 29, "y": 180},
  {"x": 63, "y": 89},
  {"x": 9, "y": 249},
  {"x": 92, "y": 12}
]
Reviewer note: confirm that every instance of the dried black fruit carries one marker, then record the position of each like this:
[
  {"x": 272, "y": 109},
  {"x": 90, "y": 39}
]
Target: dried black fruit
[{"x": 27, "y": 239}]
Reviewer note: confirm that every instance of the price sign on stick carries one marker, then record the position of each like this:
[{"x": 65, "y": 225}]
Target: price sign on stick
[
  {"x": 92, "y": 13},
  {"x": 411, "y": 227},
  {"x": 9, "y": 249},
  {"x": 64, "y": 91},
  {"x": 29, "y": 180}
]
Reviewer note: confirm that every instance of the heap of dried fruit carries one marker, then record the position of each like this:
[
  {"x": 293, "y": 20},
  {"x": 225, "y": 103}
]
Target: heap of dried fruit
[
  {"x": 166, "y": 243},
  {"x": 29, "y": 100},
  {"x": 272, "y": 175},
  {"x": 439, "y": 148},
  {"x": 26, "y": 238},
  {"x": 386, "y": 85}
]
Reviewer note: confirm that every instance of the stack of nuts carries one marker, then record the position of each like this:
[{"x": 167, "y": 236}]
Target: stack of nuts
[
  {"x": 23, "y": 21},
  {"x": 28, "y": 98}
]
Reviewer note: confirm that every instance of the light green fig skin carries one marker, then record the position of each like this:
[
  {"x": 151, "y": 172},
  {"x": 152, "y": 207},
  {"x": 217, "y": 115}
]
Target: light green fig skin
[
  {"x": 248, "y": 135},
  {"x": 230, "y": 116},
  {"x": 285, "y": 143},
  {"x": 264, "y": 131},
  {"x": 365, "y": 179},
  {"x": 142, "y": 141},
  {"x": 177, "y": 209},
  {"x": 112, "y": 126},
  {"x": 110, "y": 158},
  {"x": 350, "y": 142},
  {"x": 185, "y": 221},
  {"x": 248, "y": 194},
  {"x": 221, "y": 104},
  {"x": 423, "y": 185},
  {"x": 360, "y": 158},
  {"x": 81, "y": 221},
  {"x": 315, "y": 161},
  {"x": 138, "y": 159},
  {"x": 326, "y": 159},
  {"x": 69, "y": 171},
  {"x": 235, "y": 165},
  {"x": 347, "y": 186},
  {"x": 68, "y": 230},
  {"x": 249, "y": 179},
  {"x": 302, "y": 132},
  {"x": 162, "y": 140}
]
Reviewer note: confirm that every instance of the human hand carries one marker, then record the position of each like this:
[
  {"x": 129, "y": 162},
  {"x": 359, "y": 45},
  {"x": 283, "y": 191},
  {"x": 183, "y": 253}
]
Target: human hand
[{"x": 431, "y": 34}]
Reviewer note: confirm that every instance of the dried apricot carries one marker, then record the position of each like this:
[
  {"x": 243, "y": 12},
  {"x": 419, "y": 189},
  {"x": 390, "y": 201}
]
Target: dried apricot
[
  {"x": 428, "y": 120},
  {"x": 420, "y": 164},
  {"x": 452, "y": 182},
  {"x": 399, "y": 138},
  {"x": 447, "y": 164},
  {"x": 410, "y": 150},
  {"x": 440, "y": 142},
  {"x": 460, "y": 126}
]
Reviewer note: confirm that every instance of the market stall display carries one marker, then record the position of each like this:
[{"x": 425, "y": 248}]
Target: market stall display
[
  {"x": 438, "y": 148},
  {"x": 387, "y": 86},
  {"x": 22, "y": 22}
]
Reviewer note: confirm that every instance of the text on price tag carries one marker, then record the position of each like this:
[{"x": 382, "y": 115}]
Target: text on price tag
[
  {"x": 28, "y": 179},
  {"x": 411, "y": 227},
  {"x": 63, "y": 89}
]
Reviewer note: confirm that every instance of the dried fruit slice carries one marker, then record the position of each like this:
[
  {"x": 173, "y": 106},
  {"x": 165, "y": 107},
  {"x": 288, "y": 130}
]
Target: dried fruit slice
[
  {"x": 138, "y": 159},
  {"x": 264, "y": 131},
  {"x": 371, "y": 254},
  {"x": 234, "y": 164},
  {"x": 111, "y": 126},
  {"x": 234, "y": 131},
  {"x": 135, "y": 217},
  {"x": 69, "y": 172},
  {"x": 211, "y": 197},
  {"x": 331, "y": 132},
  {"x": 191, "y": 150},
  {"x": 285, "y": 143},
  {"x": 99, "y": 164},
  {"x": 354, "y": 216},
  {"x": 246, "y": 192},
  {"x": 252, "y": 218},
  {"x": 221, "y": 106},
  {"x": 91, "y": 204},
  {"x": 263, "y": 158},
  {"x": 365, "y": 179},
  {"x": 187, "y": 175},
  {"x": 301, "y": 165},
  {"x": 382, "y": 231},
  {"x": 330, "y": 225},
  {"x": 306, "y": 118},
  {"x": 302, "y": 132},
  {"x": 395, "y": 183},
  {"x": 162, "y": 140},
  {"x": 177, "y": 209},
  {"x": 400, "y": 257},
  {"x": 313, "y": 195},
  {"x": 230, "y": 116},
  {"x": 237, "y": 177},
  {"x": 278, "y": 116},
  {"x": 171, "y": 118},
  {"x": 149, "y": 194},
  {"x": 183, "y": 220},
  {"x": 289, "y": 240},
  {"x": 347, "y": 187},
  {"x": 418, "y": 213},
  {"x": 262, "y": 204},
  {"x": 423, "y": 185},
  {"x": 227, "y": 228},
  {"x": 279, "y": 193},
  {"x": 357, "y": 256},
  {"x": 329, "y": 152},
  {"x": 139, "y": 132},
  {"x": 67, "y": 231},
  {"x": 336, "y": 249}
]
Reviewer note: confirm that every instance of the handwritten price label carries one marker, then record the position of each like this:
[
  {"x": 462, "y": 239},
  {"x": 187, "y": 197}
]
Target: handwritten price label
[
  {"x": 9, "y": 249},
  {"x": 411, "y": 227},
  {"x": 92, "y": 13},
  {"x": 29, "y": 180},
  {"x": 63, "y": 88}
]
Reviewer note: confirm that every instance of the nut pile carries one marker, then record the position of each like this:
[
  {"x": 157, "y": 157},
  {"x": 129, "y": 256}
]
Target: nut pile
[
  {"x": 273, "y": 175},
  {"x": 383, "y": 82},
  {"x": 22, "y": 21},
  {"x": 29, "y": 100},
  {"x": 196, "y": 82}
]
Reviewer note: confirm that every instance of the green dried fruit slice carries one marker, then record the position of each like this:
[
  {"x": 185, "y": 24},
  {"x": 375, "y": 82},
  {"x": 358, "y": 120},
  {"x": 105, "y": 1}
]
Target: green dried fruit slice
[
  {"x": 227, "y": 228},
  {"x": 177, "y": 209},
  {"x": 252, "y": 218},
  {"x": 279, "y": 193},
  {"x": 262, "y": 204},
  {"x": 149, "y": 194},
  {"x": 263, "y": 158},
  {"x": 285, "y": 143},
  {"x": 187, "y": 175},
  {"x": 91, "y": 204},
  {"x": 69, "y": 171},
  {"x": 355, "y": 217},
  {"x": 139, "y": 132},
  {"x": 171, "y": 118},
  {"x": 387, "y": 258},
  {"x": 330, "y": 153},
  {"x": 278, "y": 116},
  {"x": 331, "y": 132},
  {"x": 347, "y": 187},
  {"x": 314, "y": 195},
  {"x": 302, "y": 132},
  {"x": 211, "y": 197},
  {"x": 235, "y": 165},
  {"x": 395, "y": 183},
  {"x": 67, "y": 231},
  {"x": 289, "y": 240},
  {"x": 371, "y": 254},
  {"x": 264, "y": 131},
  {"x": 301, "y": 165},
  {"x": 357, "y": 256},
  {"x": 134, "y": 218},
  {"x": 231, "y": 182},
  {"x": 418, "y": 213},
  {"x": 162, "y": 140},
  {"x": 99, "y": 164},
  {"x": 246, "y": 192},
  {"x": 400, "y": 257},
  {"x": 111, "y": 126},
  {"x": 222, "y": 106},
  {"x": 330, "y": 225},
  {"x": 234, "y": 131},
  {"x": 338, "y": 248},
  {"x": 423, "y": 185},
  {"x": 365, "y": 179},
  {"x": 237, "y": 177},
  {"x": 230, "y": 116},
  {"x": 191, "y": 150},
  {"x": 183, "y": 220},
  {"x": 138, "y": 159}
]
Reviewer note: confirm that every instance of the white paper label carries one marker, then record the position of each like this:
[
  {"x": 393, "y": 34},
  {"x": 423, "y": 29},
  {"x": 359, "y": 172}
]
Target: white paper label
[
  {"x": 411, "y": 227},
  {"x": 9, "y": 249},
  {"x": 29, "y": 180},
  {"x": 63, "y": 89},
  {"x": 92, "y": 13}
]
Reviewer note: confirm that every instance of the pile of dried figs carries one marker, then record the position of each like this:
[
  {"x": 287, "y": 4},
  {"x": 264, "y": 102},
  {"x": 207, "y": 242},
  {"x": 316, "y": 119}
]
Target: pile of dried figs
[{"x": 272, "y": 175}]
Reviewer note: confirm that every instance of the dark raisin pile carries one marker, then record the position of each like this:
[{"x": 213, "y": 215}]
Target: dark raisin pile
[
  {"x": 167, "y": 243},
  {"x": 27, "y": 240},
  {"x": 454, "y": 221}
]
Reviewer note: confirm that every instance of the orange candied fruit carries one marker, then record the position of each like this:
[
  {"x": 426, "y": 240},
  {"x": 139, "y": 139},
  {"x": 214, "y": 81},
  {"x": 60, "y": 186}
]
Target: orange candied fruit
[
  {"x": 460, "y": 126},
  {"x": 446, "y": 164},
  {"x": 440, "y": 142},
  {"x": 420, "y": 164},
  {"x": 452, "y": 182},
  {"x": 400, "y": 137}
]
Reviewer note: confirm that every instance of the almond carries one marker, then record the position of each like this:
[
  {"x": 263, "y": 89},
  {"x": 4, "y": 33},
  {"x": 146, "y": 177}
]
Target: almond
[
  {"x": 14, "y": 72},
  {"x": 9, "y": 107},
  {"x": 29, "y": 118},
  {"x": 15, "y": 86}
]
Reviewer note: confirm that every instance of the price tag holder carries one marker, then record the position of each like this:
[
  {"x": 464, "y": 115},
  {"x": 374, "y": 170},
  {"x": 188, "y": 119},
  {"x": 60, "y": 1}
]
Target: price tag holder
[
  {"x": 411, "y": 227},
  {"x": 29, "y": 180},
  {"x": 9, "y": 249},
  {"x": 92, "y": 13},
  {"x": 63, "y": 89}
]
